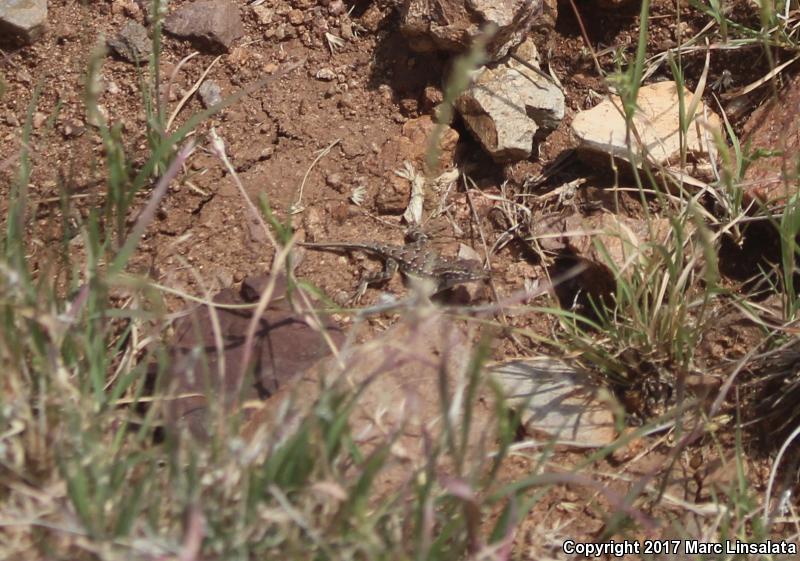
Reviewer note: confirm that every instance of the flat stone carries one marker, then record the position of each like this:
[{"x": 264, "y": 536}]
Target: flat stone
[
  {"x": 602, "y": 131},
  {"x": 214, "y": 25},
  {"x": 774, "y": 129},
  {"x": 558, "y": 403},
  {"x": 132, "y": 43},
  {"x": 509, "y": 105},
  {"x": 23, "y": 20},
  {"x": 453, "y": 25}
]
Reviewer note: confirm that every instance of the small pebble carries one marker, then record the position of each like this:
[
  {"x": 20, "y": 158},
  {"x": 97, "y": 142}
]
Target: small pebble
[
  {"x": 296, "y": 17},
  {"x": 283, "y": 32},
  {"x": 346, "y": 30},
  {"x": 24, "y": 76},
  {"x": 336, "y": 7},
  {"x": 210, "y": 93},
  {"x": 431, "y": 97},
  {"x": 312, "y": 224},
  {"x": 347, "y": 101},
  {"x": 334, "y": 181},
  {"x": 73, "y": 128},
  {"x": 264, "y": 14},
  {"x": 99, "y": 118},
  {"x": 131, "y": 43},
  {"x": 224, "y": 277},
  {"x": 325, "y": 74},
  {"x": 39, "y": 119},
  {"x": 341, "y": 298}
]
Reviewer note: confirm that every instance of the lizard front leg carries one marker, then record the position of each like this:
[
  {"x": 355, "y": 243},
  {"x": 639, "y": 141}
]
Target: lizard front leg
[
  {"x": 390, "y": 267},
  {"x": 416, "y": 236}
]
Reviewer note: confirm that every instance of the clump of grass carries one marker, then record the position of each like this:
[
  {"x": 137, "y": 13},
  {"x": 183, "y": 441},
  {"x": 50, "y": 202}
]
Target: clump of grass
[
  {"x": 646, "y": 334},
  {"x": 788, "y": 230},
  {"x": 663, "y": 291}
]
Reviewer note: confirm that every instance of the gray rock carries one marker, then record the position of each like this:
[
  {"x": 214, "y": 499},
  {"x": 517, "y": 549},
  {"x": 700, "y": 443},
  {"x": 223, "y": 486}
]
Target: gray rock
[
  {"x": 452, "y": 25},
  {"x": 23, "y": 20},
  {"x": 558, "y": 401},
  {"x": 509, "y": 105},
  {"x": 210, "y": 93},
  {"x": 132, "y": 43},
  {"x": 602, "y": 131},
  {"x": 213, "y": 25}
]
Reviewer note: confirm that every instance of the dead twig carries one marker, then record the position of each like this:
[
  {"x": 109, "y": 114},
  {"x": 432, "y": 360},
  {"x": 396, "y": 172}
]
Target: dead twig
[
  {"x": 586, "y": 38},
  {"x": 191, "y": 91},
  {"x": 297, "y": 206}
]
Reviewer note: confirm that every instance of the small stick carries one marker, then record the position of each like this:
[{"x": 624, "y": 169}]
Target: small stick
[
  {"x": 174, "y": 74},
  {"x": 586, "y": 37},
  {"x": 297, "y": 205},
  {"x": 190, "y": 93}
]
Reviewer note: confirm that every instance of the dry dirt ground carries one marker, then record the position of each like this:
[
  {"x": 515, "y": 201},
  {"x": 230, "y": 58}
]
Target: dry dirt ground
[
  {"x": 370, "y": 116},
  {"x": 372, "y": 113}
]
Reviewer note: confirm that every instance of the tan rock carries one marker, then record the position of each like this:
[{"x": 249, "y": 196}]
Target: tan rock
[
  {"x": 264, "y": 15},
  {"x": 623, "y": 240},
  {"x": 453, "y": 25},
  {"x": 418, "y": 132},
  {"x": 603, "y": 246},
  {"x": 296, "y": 17},
  {"x": 602, "y": 131}
]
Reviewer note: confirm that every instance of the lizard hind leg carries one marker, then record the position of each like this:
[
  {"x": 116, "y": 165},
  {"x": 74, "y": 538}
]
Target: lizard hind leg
[{"x": 390, "y": 268}]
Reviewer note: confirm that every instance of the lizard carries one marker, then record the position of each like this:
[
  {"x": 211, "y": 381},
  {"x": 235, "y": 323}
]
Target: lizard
[{"x": 412, "y": 260}]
